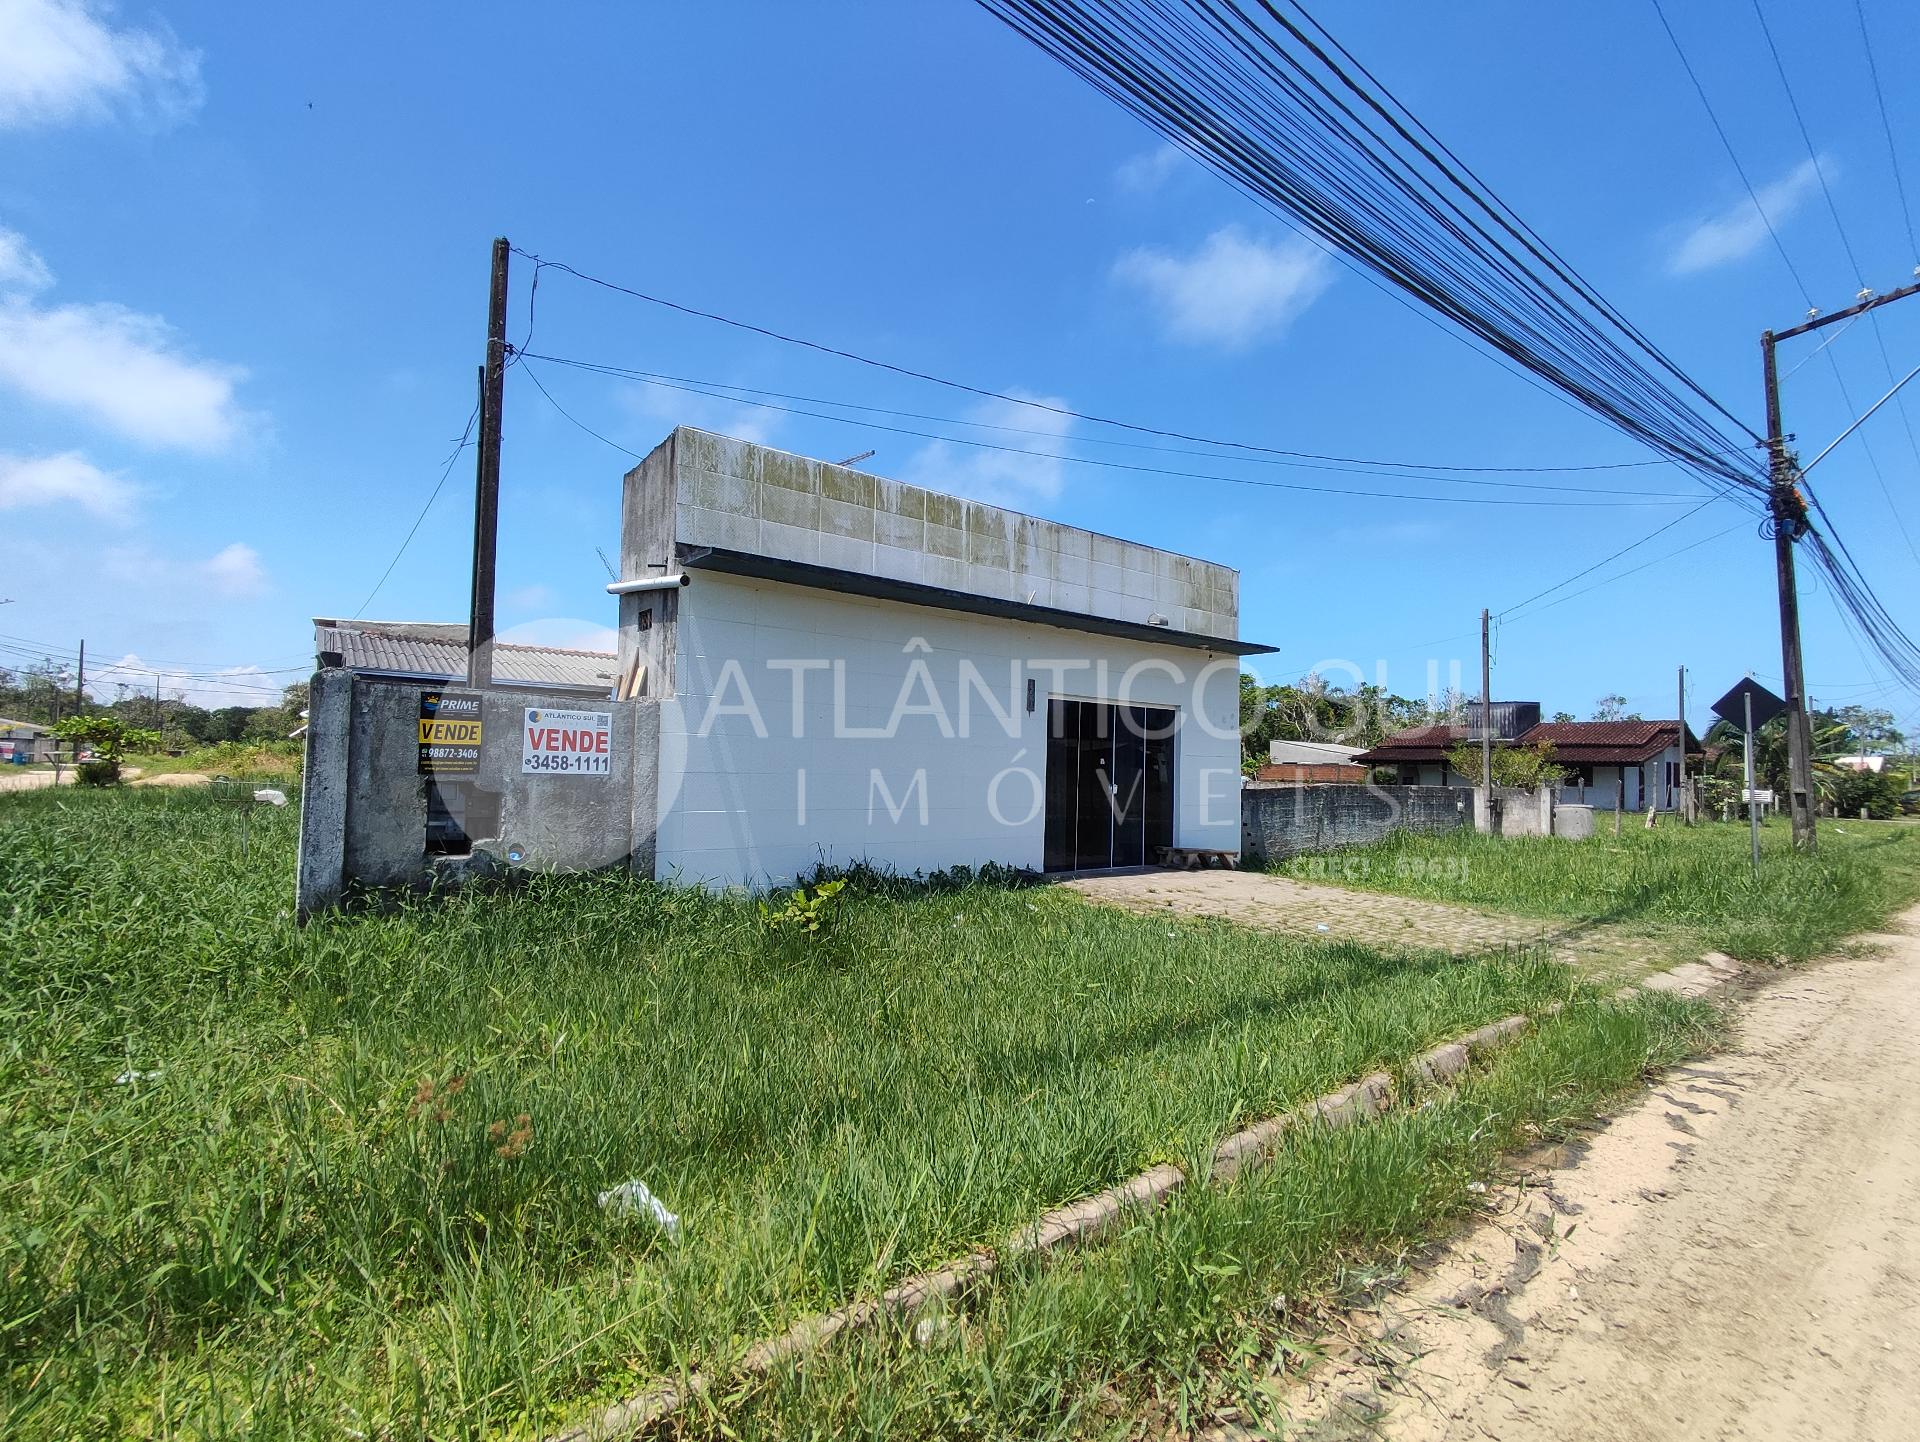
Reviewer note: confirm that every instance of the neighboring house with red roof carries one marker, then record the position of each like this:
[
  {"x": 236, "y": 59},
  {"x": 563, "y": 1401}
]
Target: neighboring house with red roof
[{"x": 1632, "y": 764}]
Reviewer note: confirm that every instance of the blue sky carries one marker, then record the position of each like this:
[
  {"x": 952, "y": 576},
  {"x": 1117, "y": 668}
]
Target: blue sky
[{"x": 243, "y": 259}]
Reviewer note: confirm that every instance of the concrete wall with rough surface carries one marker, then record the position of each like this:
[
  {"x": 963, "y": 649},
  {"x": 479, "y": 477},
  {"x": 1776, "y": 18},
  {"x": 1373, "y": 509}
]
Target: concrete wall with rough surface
[
  {"x": 738, "y": 496},
  {"x": 364, "y": 816},
  {"x": 1278, "y": 821}
]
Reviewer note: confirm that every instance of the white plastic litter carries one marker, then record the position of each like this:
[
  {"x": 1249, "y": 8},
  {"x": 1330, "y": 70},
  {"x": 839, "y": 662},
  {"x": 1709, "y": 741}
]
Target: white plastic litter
[
  {"x": 130, "y": 1076},
  {"x": 1321, "y": 926},
  {"x": 272, "y": 795},
  {"x": 633, "y": 1196}
]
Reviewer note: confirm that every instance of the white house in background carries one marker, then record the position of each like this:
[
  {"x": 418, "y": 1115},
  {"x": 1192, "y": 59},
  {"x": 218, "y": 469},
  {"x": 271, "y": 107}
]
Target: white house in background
[
  {"x": 1310, "y": 753},
  {"x": 852, "y": 668},
  {"x": 1875, "y": 764},
  {"x": 1629, "y": 764}
]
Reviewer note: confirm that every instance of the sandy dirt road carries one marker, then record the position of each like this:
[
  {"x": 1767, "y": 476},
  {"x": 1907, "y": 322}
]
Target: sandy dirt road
[{"x": 1735, "y": 1256}]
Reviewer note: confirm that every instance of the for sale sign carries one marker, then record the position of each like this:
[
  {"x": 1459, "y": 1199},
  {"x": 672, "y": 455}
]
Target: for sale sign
[
  {"x": 566, "y": 743},
  {"x": 450, "y": 732}
]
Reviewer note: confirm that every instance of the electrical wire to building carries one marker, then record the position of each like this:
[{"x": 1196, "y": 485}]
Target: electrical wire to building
[
  {"x": 466, "y": 439},
  {"x": 1636, "y": 499},
  {"x": 1406, "y": 470}
]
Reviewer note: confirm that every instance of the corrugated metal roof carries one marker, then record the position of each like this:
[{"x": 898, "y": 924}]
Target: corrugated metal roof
[{"x": 437, "y": 651}]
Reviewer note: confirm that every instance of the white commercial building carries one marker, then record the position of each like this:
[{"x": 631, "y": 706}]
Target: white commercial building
[{"x": 852, "y": 669}]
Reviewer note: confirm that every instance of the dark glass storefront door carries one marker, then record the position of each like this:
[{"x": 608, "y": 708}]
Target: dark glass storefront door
[{"x": 1109, "y": 784}]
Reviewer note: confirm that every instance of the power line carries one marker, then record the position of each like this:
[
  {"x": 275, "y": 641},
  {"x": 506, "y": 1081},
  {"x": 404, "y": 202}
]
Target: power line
[
  {"x": 1739, "y": 169},
  {"x": 1839, "y": 380},
  {"x": 1886, "y": 128},
  {"x": 1630, "y": 546},
  {"x": 986, "y": 393},
  {"x": 1339, "y": 465},
  {"x": 1639, "y": 498},
  {"x": 746, "y": 395},
  {"x": 1819, "y": 171},
  {"x": 465, "y": 437},
  {"x": 1630, "y": 571}
]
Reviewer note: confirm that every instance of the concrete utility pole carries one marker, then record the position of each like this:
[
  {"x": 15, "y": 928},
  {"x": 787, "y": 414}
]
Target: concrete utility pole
[
  {"x": 1753, "y": 803},
  {"x": 486, "y": 489},
  {"x": 1686, "y": 802},
  {"x": 1789, "y": 523},
  {"x": 1486, "y": 715},
  {"x": 80, "y": 684}
]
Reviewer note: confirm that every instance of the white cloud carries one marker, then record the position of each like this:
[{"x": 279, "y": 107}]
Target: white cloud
[
  {"x": 68, "y": 479},
  {"x": 235, "y": 571},
  {"x": 121, "y": 368},
  {"x": 21, "y": 269},
  {"x": 228, "y": 686},
  {"x": 528, "y": 598},
  {"x": 1001, "y": 478},
  {"x": 1739, "y": 230},
  {"x": 1233, "y": 290},
  {"x": 568, "y": 633},
  {"x": 1146, "y": 172},
  {"x": 684, "y": 408},
  {"x": 61, "y": 61}
]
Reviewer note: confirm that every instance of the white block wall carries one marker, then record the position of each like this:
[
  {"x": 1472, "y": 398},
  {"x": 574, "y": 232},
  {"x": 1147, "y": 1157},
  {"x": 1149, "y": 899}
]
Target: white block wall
[{"x": 734, "y": 808}]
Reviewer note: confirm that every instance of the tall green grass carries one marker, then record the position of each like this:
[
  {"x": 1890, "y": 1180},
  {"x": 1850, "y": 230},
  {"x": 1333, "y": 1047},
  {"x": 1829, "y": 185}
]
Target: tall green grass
[
  {"x": 278, "y": 1182},
  {"x": 1700, "y": 878},
  {"x": 1197, "y": 1306}
]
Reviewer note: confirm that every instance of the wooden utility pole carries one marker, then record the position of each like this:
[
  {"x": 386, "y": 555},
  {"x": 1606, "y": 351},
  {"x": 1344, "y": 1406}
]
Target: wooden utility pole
[
  {"x": 80, "y": 684},
  {"x": 1788, "y": 521},
  {"x": 486, "y": 490}
]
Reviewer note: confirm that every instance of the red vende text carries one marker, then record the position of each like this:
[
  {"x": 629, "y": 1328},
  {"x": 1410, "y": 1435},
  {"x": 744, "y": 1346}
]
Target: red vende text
[{"x": 553, "y": 738}]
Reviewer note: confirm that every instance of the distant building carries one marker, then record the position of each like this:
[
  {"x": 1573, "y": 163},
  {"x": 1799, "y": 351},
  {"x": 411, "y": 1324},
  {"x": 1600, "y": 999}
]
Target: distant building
[
  {"x": 1311, "y": 753},
  {"x": 1312, "y": 773},
  {"x": 434, "y": 653},
  {"x": 1631, "y": 764},
  {"x": 23, "y": 743},
  {"x": 1875, "y": 764}
]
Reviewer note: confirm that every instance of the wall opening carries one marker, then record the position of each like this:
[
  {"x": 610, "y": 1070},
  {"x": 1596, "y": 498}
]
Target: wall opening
[{"x": 458, "y": 814}]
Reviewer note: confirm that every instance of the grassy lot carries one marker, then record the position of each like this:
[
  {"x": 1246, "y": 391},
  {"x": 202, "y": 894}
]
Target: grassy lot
[
  {"x": 1697, "y": 881},
  {"x": 342, "y": 1181},
  {"x": 265, "y": 762}
]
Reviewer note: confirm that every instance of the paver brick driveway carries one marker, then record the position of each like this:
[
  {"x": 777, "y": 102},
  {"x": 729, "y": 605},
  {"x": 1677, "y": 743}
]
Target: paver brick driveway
[{"x": 1333, "y": 913}]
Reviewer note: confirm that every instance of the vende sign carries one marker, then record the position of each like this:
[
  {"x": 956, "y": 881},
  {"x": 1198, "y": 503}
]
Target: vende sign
[{"x": 566, "y": 743}]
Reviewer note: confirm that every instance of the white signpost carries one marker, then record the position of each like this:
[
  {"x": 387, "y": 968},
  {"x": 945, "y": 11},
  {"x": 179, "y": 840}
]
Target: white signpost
[{"x": 566, "y": 743}]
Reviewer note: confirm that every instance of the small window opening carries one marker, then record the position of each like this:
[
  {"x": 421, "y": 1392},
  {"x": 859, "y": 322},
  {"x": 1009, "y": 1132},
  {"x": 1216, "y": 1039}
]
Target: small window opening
[{"x": 458, "y": 813}]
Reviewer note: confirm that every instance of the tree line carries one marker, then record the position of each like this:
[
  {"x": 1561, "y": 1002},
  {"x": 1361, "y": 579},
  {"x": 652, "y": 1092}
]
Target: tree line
[{"x": 37, "y": 694}]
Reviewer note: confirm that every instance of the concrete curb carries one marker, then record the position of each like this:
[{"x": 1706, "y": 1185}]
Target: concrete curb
[{"x": 1087, "y": 1219}]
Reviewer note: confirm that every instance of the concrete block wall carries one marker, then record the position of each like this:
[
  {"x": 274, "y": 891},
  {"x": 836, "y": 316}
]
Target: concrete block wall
[
  {"x": 364, "y": 802},
  {"x": 735, "y": 495},
  {"x": 1281, "y": 821}
]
